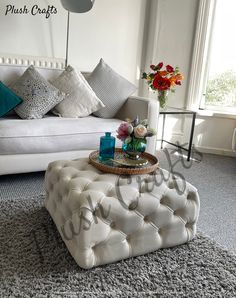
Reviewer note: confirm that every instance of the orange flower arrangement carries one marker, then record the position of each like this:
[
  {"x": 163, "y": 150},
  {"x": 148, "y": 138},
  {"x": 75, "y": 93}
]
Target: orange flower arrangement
[{"x": 162, "y": 80}]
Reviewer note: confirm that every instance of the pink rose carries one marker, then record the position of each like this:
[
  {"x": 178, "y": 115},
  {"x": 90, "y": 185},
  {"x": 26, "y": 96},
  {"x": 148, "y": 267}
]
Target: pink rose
[
  {"x": 140, "y": 131},
  {"x": 123, "y": 131}
]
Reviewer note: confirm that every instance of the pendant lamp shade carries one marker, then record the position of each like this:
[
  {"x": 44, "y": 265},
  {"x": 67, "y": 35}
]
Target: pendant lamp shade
[{"x": 79, "y": 6}]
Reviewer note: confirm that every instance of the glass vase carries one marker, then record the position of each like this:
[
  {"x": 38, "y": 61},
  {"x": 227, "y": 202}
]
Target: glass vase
[
  {"x": 107, "y": 147},
  {"x": 162, "y": 97},
  {"x": 134, "y": 148}
]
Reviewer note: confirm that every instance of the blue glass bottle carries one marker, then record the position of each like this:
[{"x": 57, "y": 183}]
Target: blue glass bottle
[{"x": 107, "y": 147}]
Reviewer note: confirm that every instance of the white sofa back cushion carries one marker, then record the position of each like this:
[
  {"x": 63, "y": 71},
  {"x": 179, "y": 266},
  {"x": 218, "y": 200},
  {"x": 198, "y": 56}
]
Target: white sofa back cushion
[{"x": 10, "y": 73}]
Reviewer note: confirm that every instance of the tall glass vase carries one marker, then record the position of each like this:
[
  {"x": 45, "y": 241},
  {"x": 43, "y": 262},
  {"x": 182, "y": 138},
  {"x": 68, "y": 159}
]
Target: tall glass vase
[{"x": 162, "y": 97}]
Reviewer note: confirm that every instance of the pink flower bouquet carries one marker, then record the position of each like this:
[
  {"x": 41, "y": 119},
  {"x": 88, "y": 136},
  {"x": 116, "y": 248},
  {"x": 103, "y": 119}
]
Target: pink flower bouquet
[{"x": 133, "y": 134}]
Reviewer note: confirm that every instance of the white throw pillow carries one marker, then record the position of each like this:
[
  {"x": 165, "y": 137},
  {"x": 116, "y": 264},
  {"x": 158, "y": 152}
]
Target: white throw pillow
[
  {"x": 80, "y": 100},
  {"x": 111, "y": 88}
]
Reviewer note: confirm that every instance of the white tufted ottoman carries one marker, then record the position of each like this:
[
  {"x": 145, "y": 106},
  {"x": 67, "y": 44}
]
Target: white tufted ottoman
[{"x": 104, "y": 218}]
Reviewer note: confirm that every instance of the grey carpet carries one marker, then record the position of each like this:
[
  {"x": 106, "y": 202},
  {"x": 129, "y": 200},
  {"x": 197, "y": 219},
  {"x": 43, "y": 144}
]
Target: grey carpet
[
  {"x": 22, "y": 185},
  {"x": 35, "y": 263}
]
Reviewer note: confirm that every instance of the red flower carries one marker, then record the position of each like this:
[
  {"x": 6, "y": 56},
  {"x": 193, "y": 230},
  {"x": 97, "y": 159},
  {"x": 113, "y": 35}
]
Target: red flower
[
  {"x": 159, "y": 65},
  {"x": 169, "y": 68},
  {"x": 152, "y": 66},
  {"x": 161, "y": 83},
  {"x": 177, "y": 82}
]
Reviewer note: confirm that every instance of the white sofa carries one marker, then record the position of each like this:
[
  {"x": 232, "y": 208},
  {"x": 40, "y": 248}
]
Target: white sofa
[{"x": 29, "y": 145}]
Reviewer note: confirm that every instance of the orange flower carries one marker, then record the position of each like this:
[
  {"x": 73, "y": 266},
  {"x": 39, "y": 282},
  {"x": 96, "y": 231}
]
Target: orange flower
[
  {"x": 172, "y": 81},
  {"x": 176, "y": 78},
  {"x": 163, "y": 73},
  {"x": 179, "y": 77}
]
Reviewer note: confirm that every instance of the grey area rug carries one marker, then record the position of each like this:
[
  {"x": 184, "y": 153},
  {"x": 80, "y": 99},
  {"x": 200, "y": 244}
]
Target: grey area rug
[{"x": 34, "y": 262}]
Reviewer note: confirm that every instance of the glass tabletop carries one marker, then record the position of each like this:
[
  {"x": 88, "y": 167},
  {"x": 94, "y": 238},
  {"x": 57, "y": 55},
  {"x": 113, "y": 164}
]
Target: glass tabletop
[{"x": 120, "y": 161}]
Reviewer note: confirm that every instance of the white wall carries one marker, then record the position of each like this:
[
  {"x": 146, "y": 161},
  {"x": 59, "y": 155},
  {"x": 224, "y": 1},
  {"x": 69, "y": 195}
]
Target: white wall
[
  {"x": 171, "y": 41},
  {"x": 32, "y": 35},
  {"x": 213, "y": 134},
  {"x": 175, "y": 27},
  {"x": 112, "y": 30},
  {"x": 173, "y": 36},
  {"x": 217, "y": 132}
]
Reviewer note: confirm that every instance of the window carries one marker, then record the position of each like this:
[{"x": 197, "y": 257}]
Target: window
[
  {"x": 212, "y": 84},
  {"x": 219, "y": 91}
]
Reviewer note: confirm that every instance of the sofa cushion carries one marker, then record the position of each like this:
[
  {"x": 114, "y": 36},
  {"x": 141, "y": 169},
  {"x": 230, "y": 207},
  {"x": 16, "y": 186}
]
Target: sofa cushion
[
  {"x": 80, "y": 99},
  {"x": 111, "y": 88},
  {"x": 53, "y": 134},
  {"x": 8, "y": 100},
  {"x": 38, "y": 95}
]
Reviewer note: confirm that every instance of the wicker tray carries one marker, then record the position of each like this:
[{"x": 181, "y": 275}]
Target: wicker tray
[{"x": 112, "y": 167}]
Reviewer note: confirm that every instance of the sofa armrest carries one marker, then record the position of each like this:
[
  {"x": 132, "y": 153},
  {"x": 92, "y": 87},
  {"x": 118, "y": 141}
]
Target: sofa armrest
[{"x": 145, "y": 108}]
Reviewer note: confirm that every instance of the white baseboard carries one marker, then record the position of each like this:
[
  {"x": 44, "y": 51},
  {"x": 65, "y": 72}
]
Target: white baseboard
[
  {"x": 178, "y": 136},
  {"x": 218, "y": 151}
]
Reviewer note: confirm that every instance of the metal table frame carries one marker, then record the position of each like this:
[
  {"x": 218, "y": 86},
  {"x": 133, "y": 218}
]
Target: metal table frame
[{"x": 176, "y": 111}]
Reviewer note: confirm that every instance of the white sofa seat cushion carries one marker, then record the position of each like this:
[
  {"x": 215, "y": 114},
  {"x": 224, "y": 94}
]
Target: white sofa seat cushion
[{"x": 53, "y": 134}]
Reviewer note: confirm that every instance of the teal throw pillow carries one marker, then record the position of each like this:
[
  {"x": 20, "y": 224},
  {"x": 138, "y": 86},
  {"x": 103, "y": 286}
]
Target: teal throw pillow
[{"x": 8, "y": 100}]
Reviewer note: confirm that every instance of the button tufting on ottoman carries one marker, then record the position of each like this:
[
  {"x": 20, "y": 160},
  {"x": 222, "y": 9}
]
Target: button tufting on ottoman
[{"x": 103, "y": 218}]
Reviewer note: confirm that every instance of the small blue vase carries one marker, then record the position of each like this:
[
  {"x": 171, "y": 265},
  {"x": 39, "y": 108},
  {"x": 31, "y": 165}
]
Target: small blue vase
[{"x": 107, "y": 147}]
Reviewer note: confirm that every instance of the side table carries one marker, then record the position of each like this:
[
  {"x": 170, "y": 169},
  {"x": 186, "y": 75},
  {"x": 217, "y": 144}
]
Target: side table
[{"x": 177, "y": 111}]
